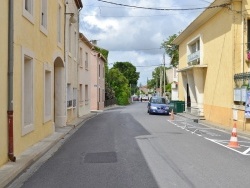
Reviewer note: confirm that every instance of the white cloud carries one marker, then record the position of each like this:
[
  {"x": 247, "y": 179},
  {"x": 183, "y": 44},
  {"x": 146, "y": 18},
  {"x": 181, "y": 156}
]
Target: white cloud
[{"x": 132, "y": 34}]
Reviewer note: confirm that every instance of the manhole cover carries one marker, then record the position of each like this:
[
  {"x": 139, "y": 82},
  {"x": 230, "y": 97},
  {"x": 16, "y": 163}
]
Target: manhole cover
[{"x": 101, "y": 157}]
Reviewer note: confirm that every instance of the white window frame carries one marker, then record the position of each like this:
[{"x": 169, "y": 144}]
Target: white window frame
[
  {"x": 44, "y": 17},
  {"x": 69, "y": 97},
  {"x": 199, "y": 47},
  {"x": 27, "y": 93},
  {"x": 47, "y": 93},
  {"x": 29, "y": 14}
]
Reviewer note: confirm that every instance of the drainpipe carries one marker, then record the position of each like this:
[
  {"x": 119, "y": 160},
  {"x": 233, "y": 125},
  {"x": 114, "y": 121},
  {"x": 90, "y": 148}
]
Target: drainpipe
[{"x": 10, "y": 84}]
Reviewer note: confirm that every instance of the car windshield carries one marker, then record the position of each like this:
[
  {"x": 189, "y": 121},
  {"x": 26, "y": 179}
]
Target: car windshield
[{"x": 159, "y": 100}]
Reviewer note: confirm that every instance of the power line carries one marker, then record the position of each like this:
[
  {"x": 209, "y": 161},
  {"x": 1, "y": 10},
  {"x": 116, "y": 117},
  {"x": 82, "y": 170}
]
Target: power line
[
  {"x": 136, "y": 49},
  {"x": 151, "y": 8},
  {"x": 139, "y": 16}
]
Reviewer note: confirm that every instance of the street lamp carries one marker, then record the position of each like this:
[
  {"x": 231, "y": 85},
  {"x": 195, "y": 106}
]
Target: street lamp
[{"x": 72, "y": 18}]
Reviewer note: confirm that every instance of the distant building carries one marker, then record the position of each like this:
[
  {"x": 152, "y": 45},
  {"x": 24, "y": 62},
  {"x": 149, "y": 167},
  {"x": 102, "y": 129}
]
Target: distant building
[
  {"x": 84, "y": 75},
  {"x": 97, "y": 81},
  {"x": 71, "y": 56}
]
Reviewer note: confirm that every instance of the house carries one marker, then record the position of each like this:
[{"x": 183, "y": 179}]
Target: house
[
  {"x": 71, "y": 56},
  {"x": 174, "y": 84},
  {"x": 33, "y": 94},
  {"x": 84, "y": 75},
  {"x": 213, "y": 63},
  {"x": 97, "y": 80}
]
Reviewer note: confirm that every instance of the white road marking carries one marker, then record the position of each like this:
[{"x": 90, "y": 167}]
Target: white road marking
[
  {"x": 246, "y": 151},
  {"x": 219, "y": 142}
]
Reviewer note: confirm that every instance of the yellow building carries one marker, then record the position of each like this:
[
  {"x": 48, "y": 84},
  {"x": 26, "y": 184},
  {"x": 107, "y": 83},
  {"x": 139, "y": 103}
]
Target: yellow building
[
  {"x": 3, "y": 82},
  {"x": 213, "y": 65},
  {"x": 37, "y": 90}
]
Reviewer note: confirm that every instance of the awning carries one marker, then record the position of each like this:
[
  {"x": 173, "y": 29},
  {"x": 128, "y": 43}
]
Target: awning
[{"x": 191, "y": 67}]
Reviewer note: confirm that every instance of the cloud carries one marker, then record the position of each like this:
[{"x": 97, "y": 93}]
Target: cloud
[{"x": 135, "y": 35}]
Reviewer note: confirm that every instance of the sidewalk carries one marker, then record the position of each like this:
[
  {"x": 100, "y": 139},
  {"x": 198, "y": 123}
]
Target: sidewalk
[{"x": 11, "y": 170}]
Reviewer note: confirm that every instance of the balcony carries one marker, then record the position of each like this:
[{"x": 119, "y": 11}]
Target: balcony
[{"x": 194, "y": 58}]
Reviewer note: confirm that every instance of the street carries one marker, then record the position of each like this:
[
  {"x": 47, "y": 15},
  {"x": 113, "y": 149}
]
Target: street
[{"x": 125, "y": 147}]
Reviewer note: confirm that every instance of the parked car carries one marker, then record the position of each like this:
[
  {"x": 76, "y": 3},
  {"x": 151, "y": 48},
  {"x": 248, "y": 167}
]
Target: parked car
[{"x": 158, "y": 105}]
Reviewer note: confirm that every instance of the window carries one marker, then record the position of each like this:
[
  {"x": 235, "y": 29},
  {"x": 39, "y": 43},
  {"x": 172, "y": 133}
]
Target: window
[
  {"x": 86, "y": 61},
  {"x": 69, "y": 96},
  {"x": 28, "y": 7},
  {"x": 248, "y": 34},
  {"x": 99, "y": 95},
  {"x": 103, "y": 71},
  {"x": 59, "y": 24},
  {"x": 44, "y": 16},
  {"x": 75, "y": 44},
  {"x": 86, "y": 94},
  {"x": 194, "y": 47},
  {"x": 27, "y": 92},
  {"x": 80, "y": 57},
  {"x": 47, "y": 95},
  {"x": 99, "y": 70},
  {"x": 70, "y": 28},
  {"x": 80, "y": 94},
  {"x": 74, "y": 97},
  {"x": 194, "y": 52}
]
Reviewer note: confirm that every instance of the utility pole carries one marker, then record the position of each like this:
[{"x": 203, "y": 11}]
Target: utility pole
[
  {"x": 164, "y": 76},
  {"x": 160, "y": 82}
]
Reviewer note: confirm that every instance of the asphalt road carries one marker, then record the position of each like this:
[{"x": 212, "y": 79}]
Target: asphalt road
[{"x": 126, "y": 147}]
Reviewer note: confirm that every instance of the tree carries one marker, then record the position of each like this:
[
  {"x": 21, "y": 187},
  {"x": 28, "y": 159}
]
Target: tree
[
  {"x": 129, "y": 71},
  {"x": 155, "y": 81},
  {"x": 171, "y": 49},
  {"x": 119, "y": 84}
]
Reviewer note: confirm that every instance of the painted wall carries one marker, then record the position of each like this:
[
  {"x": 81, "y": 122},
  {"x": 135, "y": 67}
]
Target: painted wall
[
  {"x": 94, "y": 82},
  {"x": 97, "y": 82},
  {"x": 3, "y": 82},
  {"x": 222, "y": 52},
  {"x": 84, "y": 76},
  {"x": 43, "y": 46},
  {"x": 71, "y": 52}
]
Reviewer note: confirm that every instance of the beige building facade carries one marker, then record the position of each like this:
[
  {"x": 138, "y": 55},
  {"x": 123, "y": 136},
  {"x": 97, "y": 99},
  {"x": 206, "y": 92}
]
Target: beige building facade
[
  {"x": 84, "y": 75},
  {"x": 97, "y": 81},
  {"x": 213, "y": 64},
  {"x": 71, "y": 56},
  {"x": 34, "y": 86}
]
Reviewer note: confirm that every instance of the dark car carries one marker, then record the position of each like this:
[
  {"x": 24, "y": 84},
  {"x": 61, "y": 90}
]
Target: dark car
[{"x": 158, "y": 105}]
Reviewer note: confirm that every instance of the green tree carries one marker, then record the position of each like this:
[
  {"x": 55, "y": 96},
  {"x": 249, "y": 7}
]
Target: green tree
[
  {"x": 119, "y": 84},
  {"x": 155, "y": 81},
  {"x": 171, "y": 49},
  {"x": 129, "y": 71}
]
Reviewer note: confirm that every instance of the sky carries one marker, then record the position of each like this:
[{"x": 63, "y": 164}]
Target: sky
[{"x": 133, "y": 34}]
